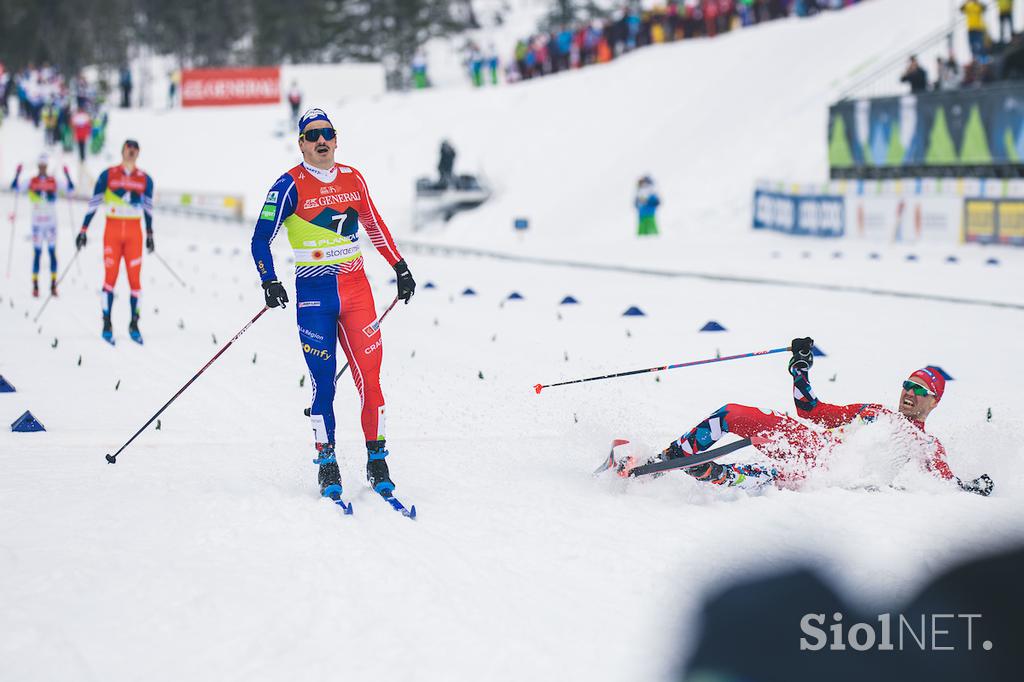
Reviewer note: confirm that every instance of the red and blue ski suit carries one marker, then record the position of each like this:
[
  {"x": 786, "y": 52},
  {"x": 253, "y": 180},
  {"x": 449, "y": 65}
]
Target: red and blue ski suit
[
  {"x": 322, "y": 211},
  {"x": 42, "y": 195},
  {"x": 128, "y": 197},
  {"x": 788, "y": 440}
]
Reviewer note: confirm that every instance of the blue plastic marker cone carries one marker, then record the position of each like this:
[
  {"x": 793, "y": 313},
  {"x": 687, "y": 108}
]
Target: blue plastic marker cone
[
  {"x": 27, "y": 423},
  {"x": 712, "y": 326},
  {"x": 5, "y": 385},
  {"x": 515, "y": 296},
  {"x": 817, "y": 352},
  {"x": 429, "y": 285},
  {"x": 633, "y": 311},
  {"x": 569, "y": 300},
  {"x": 468, "y": 291}
]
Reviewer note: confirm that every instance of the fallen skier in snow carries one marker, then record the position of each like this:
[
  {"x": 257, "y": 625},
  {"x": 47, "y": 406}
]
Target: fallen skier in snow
[{"x": 786, "y": 439}]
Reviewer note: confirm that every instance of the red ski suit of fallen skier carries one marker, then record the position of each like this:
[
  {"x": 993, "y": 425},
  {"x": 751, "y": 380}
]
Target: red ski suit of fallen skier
[{"x": 787, "y": 439}]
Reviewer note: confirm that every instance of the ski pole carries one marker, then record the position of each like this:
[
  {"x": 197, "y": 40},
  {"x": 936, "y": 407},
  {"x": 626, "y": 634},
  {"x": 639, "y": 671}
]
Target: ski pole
[
  {"x": 13, "y": 217},
  {"x": 56, "y": 284},
  {"x": 372, "y": 327},
  {"x": 169, "y": 268},
  {"x": 71, "y": 224},
  {"x": 539, "y": 387},
  {"x": 113, "y": 458}
]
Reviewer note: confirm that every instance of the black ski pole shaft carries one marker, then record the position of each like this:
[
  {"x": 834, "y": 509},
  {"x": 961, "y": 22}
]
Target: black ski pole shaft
[
  {"x": 14, "y": 218},
  {"x": 169, "y": 268},
  {"x": 71, "y": 223},
  {"x": 692, "y": 461},
  {"x": 60, "y": 279},
  {"x": 375, "y": 325},
  {"x": 539, "y": 387},
  {"x": 113, "y": 458}
]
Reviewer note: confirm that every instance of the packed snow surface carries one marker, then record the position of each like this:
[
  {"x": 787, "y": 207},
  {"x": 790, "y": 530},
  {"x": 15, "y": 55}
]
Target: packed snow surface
[{"x": 205, "y": 553}]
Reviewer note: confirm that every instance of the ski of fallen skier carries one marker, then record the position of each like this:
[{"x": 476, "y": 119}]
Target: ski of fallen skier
[{"x": 796, "y": 446}]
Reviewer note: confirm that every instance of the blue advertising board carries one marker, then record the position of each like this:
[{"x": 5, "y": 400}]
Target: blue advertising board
[{"x": 804, "y": 215}]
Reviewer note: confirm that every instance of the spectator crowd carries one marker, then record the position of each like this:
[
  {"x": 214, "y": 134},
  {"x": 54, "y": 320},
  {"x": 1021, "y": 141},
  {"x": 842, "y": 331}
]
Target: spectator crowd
[
  {"x": 983, "y": 67},
  {"x": 67, "y": 110},
  {"x": 601, "y": 40}
]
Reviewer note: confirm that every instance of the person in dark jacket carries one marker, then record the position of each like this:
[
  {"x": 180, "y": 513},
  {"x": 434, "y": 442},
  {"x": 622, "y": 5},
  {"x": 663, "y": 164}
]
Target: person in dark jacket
[
  {"x": 446, "y": 164},
  {"x": 915, "y": 76}
]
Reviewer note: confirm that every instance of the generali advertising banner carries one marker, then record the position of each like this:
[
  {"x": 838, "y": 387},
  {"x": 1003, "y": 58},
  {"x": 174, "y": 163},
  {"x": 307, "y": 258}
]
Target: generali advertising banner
[{"x": 221, "y": 87}]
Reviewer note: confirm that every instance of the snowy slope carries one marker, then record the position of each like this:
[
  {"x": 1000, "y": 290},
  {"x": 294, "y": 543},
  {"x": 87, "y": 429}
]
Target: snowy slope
[
  {"x": 205, "y": 553},
  {"x": 705, "y": 117}
]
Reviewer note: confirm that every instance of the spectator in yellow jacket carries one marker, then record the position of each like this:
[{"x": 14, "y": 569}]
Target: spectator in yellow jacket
[{"x": 974, "y": 10}]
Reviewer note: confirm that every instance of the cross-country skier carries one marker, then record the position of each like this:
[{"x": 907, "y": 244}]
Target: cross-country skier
[
  {"x": 321, "y": 204},
  {"x": 127, "y": 193},
  {"x": 789, "y": 440},
  {"x": 42, "y": 194}
]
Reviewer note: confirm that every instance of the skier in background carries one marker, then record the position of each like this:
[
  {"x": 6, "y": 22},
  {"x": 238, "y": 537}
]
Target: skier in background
[
  {"x": 492, "y": 63},
  {"x": 647, "y": 203},
  {"x": 446, "y": 165},
  {"x": 42, "y": 195},
  {"x": 127, "y": 193},
  {"x": 174, "y": 80},
  {"x": 476, "y": 65},
  {"x": 49, "y": 121},
  {"x": 295, "y": 100},
  {"x": 81, "y": 126},
  {"x": 125, "y": 83},
  {"x": 788, "y": 440},
  {"x": 321, "y": 204},
  {"x": 419, "y": 70}
]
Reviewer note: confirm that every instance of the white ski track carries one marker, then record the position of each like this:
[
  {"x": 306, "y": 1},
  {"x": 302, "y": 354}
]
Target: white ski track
[{"x": 205, "y": 553}]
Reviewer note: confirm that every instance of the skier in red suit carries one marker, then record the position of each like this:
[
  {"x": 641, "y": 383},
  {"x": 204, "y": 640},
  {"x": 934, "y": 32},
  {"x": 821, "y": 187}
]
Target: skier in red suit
[{"x": 797, "y": 446}]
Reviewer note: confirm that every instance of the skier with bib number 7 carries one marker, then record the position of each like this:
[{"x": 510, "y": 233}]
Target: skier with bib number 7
[{"x": 321, "y": 204}]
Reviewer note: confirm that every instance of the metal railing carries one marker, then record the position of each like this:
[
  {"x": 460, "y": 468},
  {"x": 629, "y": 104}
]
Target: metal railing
[{"x": 884, "y": 80}]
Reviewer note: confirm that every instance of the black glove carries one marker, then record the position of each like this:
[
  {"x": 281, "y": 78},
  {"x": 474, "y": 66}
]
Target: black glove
[
  {"x": 149, "y": 243},
  {"x": 275, "y": 294},
  {"x": 406, "y": 284},
  {"x": 982, "y": 485},
  {"x": 803, "y": 357},
  {"x": 80, "y": 240}
]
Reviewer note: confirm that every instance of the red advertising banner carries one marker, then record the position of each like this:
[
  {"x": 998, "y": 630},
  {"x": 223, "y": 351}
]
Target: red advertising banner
[{"x": 220, "y": 87}]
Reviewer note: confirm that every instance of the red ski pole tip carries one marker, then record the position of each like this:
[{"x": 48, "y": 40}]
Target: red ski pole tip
[{"x": 537, "y": 388}]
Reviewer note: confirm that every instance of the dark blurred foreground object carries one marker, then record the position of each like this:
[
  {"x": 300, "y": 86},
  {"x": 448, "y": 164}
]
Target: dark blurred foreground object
[{"x": 967, "y": 624}]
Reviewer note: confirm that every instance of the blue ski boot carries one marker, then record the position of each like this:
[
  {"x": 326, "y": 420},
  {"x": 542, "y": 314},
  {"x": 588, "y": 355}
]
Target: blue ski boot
[
  {"x": 329, "y": 476},
  {"x": 377, "y": 469},
  {"x": 742, "y": 476},
  {"x": 133, "y": 330},
  {"x": 108, "y": 329}
]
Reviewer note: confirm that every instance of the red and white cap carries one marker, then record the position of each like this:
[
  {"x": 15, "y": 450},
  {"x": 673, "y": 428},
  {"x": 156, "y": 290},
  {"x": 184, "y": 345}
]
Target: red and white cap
[{"x": 930, "y": 379}]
